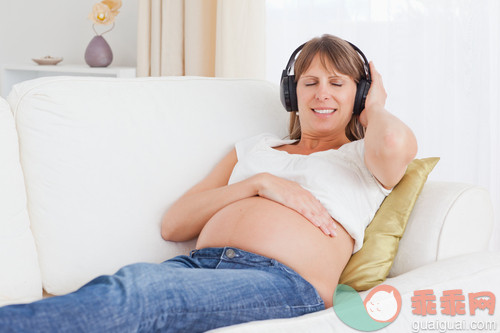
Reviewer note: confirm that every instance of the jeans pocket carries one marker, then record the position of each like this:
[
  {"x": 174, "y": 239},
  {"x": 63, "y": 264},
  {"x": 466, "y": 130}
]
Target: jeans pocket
[
  {"x": 283, "y": 267},
  {"x": 310, "y": 295}
]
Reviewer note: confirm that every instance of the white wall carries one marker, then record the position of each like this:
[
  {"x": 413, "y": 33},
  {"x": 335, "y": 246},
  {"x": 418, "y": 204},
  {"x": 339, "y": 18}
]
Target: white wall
[{"x": 60, "y": 28}]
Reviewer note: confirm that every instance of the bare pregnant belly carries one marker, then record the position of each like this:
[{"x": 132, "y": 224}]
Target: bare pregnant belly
[{"x": 270, "y": 229}]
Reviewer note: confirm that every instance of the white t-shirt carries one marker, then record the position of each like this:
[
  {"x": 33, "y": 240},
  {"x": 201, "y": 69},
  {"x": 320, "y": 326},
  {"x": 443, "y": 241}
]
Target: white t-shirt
[{"x": 338, "y": 178}]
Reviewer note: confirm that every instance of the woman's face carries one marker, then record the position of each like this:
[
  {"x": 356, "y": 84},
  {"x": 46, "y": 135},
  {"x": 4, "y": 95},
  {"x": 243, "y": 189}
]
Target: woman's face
[{"x": 325, "y": 100}]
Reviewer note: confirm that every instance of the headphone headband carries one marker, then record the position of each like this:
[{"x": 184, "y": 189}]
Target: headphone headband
[
  {"x": 291, "y": 61},
  {"x": 365, "y": 62}
]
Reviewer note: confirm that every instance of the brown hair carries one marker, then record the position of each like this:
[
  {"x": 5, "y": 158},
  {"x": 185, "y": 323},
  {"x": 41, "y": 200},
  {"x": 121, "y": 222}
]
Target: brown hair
[{"x": 336, "y": 52}]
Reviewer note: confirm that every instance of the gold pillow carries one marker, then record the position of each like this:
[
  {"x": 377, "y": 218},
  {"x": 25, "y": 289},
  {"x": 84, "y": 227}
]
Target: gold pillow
[{"x": 370, "y": 266}]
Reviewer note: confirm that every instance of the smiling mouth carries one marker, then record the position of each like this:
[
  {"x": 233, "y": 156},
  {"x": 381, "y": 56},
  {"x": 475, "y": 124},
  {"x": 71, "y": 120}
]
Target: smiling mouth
[{"x": 324, "y": 111}]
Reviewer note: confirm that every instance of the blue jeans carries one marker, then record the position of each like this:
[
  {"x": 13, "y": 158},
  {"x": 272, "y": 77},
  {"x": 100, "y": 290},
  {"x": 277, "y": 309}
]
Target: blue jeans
[{"x": 210, "y": 288}]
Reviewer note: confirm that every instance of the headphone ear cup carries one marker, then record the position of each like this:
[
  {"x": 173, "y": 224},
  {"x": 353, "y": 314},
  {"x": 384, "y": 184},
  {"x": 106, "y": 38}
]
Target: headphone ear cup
[
  {"x": 288, "y": 93},
  {"x": 284, "y": 95},
  {"x": 361, "y": 93},
  {"x": 292, "y": 88}
]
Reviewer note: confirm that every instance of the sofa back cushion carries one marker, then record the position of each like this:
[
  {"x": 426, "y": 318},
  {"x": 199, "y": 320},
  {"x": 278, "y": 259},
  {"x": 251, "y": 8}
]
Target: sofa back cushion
[
  {"x": 105, "y": 157},
  {"x": 20, "y": 279}
]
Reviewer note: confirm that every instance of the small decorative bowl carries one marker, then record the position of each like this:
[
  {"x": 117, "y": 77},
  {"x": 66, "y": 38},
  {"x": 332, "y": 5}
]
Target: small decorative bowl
[{"x": 48, "y": 60}]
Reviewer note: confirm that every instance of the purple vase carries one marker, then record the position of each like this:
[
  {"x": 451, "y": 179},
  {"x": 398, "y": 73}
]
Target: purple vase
[{"x": 98, "y": 53}]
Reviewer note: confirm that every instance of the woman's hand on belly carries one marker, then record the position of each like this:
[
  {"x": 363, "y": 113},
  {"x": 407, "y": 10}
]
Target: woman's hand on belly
[{"x": 292, "y": 195}]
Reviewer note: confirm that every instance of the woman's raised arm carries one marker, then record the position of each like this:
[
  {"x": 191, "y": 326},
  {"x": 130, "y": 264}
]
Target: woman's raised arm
[{"x": 390, "y": 145}]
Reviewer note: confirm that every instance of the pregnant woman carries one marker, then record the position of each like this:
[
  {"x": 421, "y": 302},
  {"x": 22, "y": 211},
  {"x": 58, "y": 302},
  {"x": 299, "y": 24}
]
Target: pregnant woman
[{"x": 276, "y": 220}]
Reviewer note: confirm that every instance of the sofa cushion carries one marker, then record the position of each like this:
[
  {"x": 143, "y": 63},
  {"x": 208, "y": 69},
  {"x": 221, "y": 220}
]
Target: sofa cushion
[
  {"x": 105, "y": 157},
  {"x": 20, "y": 279},
  {"x": 370, "y": 266}
]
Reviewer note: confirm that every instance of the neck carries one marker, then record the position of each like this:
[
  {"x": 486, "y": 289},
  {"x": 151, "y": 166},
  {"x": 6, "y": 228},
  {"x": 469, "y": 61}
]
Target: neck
[{"x": 311, "y": 143}]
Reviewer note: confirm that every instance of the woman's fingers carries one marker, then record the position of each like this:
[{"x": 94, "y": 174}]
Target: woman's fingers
[
  {"x": 325, "y": 223},
  {"x": 376, "y": 97},
  {"x": 323, "y": 220},
  {"x": 377, "y": 93},
  {"x": 329, "y": 228},
  {"x": 312, "y": 209}
]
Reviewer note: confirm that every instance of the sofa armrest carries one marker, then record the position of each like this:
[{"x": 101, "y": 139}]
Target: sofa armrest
[{"x": 448, "y": 219}]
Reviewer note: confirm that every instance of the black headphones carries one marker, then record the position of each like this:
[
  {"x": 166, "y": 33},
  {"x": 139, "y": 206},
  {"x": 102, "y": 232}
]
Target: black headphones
[{"x": 288, "y": 86}]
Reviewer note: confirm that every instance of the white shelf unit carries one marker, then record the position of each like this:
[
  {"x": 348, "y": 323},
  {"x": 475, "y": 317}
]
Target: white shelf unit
[{"x": 15, "y": 73}]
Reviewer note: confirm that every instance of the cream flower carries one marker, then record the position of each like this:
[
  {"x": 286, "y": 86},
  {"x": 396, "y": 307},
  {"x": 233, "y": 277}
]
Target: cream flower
[
  {"x": 114, "y": 5},
  {"x": 102, "y": 14}
]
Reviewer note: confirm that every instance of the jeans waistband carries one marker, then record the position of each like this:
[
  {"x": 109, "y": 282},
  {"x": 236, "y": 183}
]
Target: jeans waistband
[{"x": 231, "y": 253}]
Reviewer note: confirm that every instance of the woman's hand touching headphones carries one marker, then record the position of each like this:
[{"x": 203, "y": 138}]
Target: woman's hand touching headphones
[{"x": 375, "y": 100}]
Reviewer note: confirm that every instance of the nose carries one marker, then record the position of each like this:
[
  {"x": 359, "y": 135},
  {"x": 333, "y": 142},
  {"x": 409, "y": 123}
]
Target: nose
[{"x": 322, "y": 93}]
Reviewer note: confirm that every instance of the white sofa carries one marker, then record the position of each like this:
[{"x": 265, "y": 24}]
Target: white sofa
[{"x": 89, "y": 165}]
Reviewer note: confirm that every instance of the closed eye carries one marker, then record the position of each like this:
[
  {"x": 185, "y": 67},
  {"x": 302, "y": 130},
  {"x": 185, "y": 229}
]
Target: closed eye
[{"x": 314, "y": 83}]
